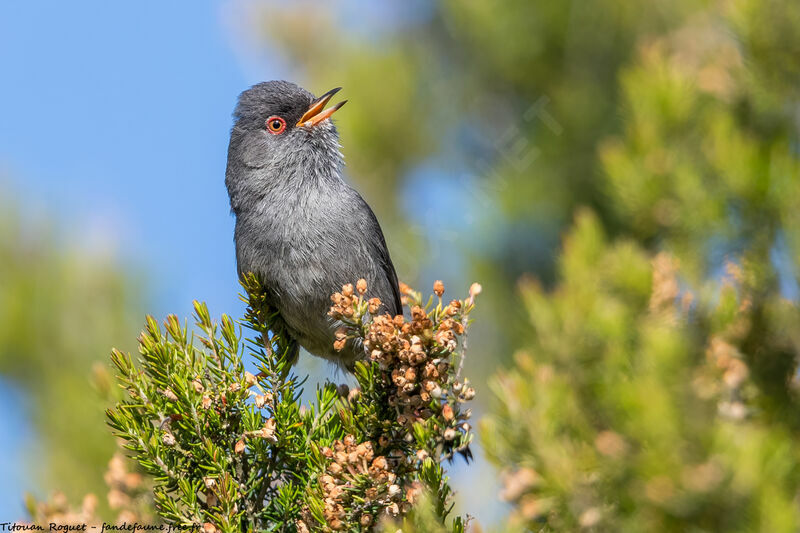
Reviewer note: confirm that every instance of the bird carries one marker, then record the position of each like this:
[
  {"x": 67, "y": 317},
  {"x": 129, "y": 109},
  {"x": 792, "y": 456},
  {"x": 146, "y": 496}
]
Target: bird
[{"x": 300, "y": 228}]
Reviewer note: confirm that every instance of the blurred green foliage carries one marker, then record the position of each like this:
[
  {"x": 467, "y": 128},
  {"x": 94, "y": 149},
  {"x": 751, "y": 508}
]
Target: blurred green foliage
[
  {"x": 658, "y": 390},
  {"x": 60, "y": 311}
]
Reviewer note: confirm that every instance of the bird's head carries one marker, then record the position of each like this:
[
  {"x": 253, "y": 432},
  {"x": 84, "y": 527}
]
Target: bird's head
[{"x": 278, "y": 123}]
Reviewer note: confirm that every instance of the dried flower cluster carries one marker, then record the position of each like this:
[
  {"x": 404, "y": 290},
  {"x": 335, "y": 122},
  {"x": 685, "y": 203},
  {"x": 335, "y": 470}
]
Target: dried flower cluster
[
  {"x": 415, "y": 356},
  {"x": 127, "y": 496},
  {"x": 357, "y": 486},
  {"x": 517, "y": 490},
  {"x": 58, "y": 511}
]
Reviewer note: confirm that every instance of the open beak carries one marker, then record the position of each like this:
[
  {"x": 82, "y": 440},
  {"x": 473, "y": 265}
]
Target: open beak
[{"x": 315, "y": 113}]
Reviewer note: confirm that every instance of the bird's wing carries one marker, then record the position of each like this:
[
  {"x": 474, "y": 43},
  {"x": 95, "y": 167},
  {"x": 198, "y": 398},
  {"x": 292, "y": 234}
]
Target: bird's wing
[
  {"x": 391, "y": 275},
  {"x": 378, "y": 243}
]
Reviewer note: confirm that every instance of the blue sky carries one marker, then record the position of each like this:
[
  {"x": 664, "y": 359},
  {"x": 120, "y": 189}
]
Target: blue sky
[{"x": 114, "y": 118}]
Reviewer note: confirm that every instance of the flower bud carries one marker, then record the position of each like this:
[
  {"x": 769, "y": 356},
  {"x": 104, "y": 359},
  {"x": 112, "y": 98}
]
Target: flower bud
[
  {"x": 353, "y": 394},
  {"x": 438, "y": 288},
  {"x": 373, "y": 305},
  {"x": 447, "y": 412},
  {"x": 268, "y": 431},
  {"x": 347, "y": 290},
  {"x": 475, "y": 289},
  {"x": 263, "y": 399},
  {"x": 361, "y": 286}
]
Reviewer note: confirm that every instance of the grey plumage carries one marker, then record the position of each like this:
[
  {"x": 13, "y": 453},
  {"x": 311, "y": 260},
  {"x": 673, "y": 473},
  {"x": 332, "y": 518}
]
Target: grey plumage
[{"x": 299, "y": 227}]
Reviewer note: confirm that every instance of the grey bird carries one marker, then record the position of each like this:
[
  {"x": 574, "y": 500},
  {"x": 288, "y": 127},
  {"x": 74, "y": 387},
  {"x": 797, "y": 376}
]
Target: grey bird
[{"x": 300, "y": 228}]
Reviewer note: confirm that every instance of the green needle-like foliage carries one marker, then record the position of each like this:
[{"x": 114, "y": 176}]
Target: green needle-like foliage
[{"x": 230, "y": 450}]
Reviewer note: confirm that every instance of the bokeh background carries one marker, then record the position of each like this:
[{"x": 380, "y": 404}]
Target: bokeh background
[{"x": 479, "y": 131}]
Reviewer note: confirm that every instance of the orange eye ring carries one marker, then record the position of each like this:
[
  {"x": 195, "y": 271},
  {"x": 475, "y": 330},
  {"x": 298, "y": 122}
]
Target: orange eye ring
[{"x": 276, "y": 125}]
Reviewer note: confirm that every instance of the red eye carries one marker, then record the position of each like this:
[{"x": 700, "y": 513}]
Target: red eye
[{"x": 276, "y": 125}]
